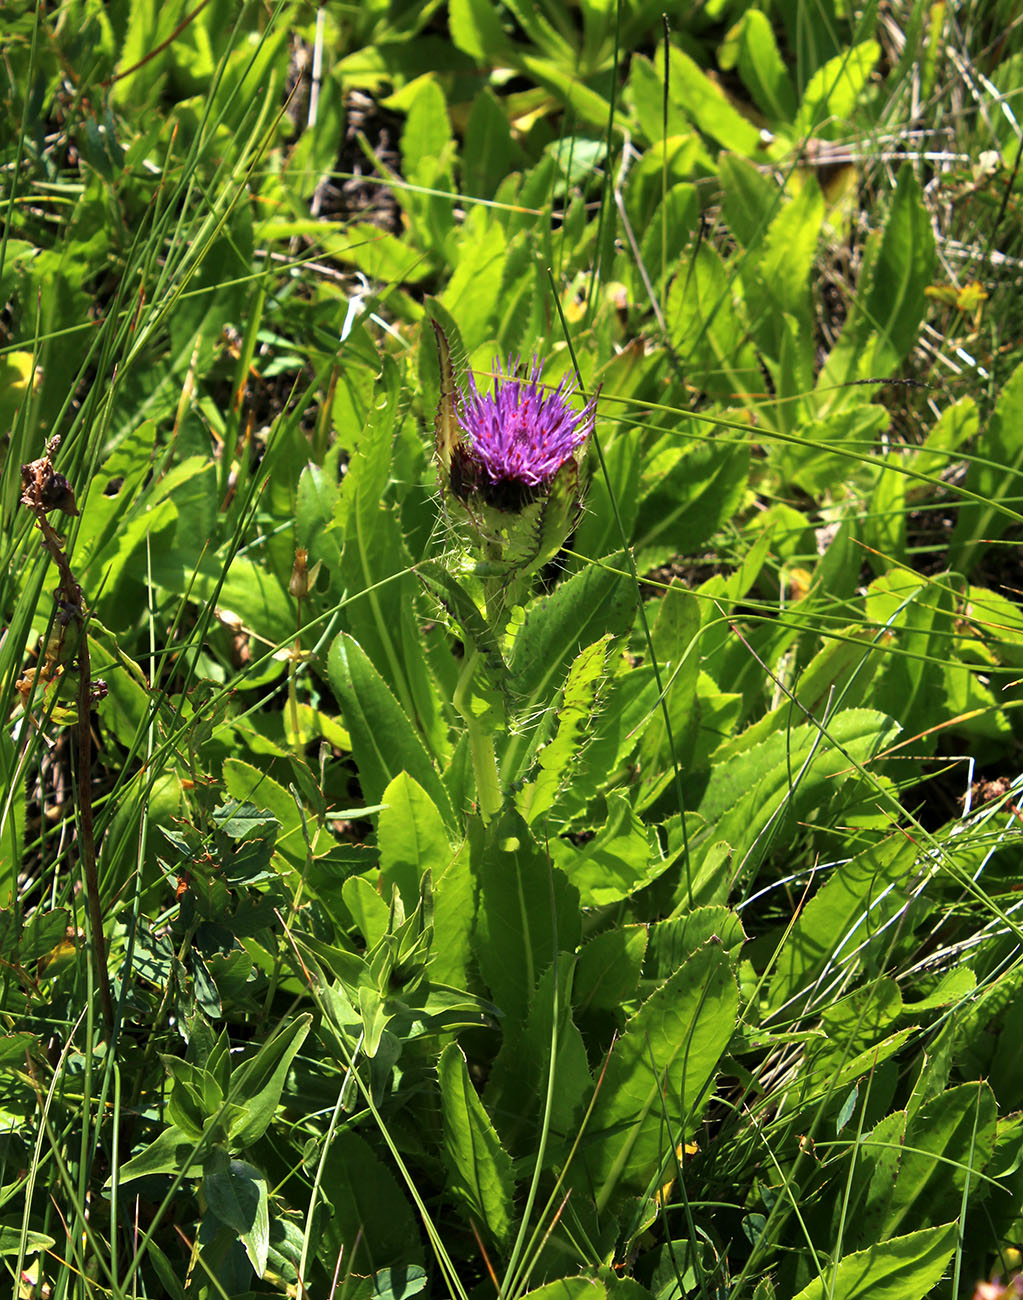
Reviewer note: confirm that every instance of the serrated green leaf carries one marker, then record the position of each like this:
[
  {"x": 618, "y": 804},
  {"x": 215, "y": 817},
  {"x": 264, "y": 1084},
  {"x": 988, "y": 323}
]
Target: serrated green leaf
[
  {"x": 620, "y": 859},
  {"x": 480, "y": 1169},
  {"x": 948, "y": 1139},
  {"x": 557, "y": 758},
  {"x": 903, "y": 1268},
  {"x": 659, "y": 1076},
  {"x": 835, "y": 912},
  {"x": 608, "y": 968},
  {"x": 599, "y": 600},
  {"x": 369, "y": 1221}
]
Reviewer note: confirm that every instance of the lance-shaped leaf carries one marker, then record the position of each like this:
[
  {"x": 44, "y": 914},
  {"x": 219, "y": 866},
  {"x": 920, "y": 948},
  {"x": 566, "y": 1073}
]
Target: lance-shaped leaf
[{"x": 480, "y": 1169}]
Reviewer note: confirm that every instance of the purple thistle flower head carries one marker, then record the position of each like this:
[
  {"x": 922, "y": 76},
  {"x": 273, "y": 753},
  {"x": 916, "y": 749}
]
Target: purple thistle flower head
[
  {"x": 508, "y": 462},
  {"x": 518, "y": 435}
]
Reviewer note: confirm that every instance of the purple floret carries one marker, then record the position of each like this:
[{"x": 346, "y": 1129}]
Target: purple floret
[{"x": 519, "y": 432}]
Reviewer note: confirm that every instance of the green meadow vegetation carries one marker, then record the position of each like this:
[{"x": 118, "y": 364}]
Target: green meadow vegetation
[{"x": 391, "y": 910}]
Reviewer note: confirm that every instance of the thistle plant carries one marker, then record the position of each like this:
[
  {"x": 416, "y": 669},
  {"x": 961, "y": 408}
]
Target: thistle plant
[{"x": 508, "y": 459}]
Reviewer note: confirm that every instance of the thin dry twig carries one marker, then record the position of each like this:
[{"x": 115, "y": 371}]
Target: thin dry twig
[{"x": 44, "y": 489}]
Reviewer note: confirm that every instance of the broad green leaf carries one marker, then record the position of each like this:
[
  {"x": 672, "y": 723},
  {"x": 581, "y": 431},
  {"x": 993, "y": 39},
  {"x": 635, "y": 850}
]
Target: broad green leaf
[
  {"x": 527, "y": 911},
  {"x": 412, "y": 838},
  {"x": 751, "y": 45},
  {"x": 956, "y": 425},
  {"x": 598, "y": 601},
  {"x": 427, "y": 150},
  {"x": 882, "y": 326},
  {"x": 476, "y": 29},
  {"x": 954, "y": 987},
  {"x": 676, "y": 637},
  {"x": 469, "y": 295},
  {"x": 608, "y": 968},
  {"x": 369, "y": 910},
  {"x": 454, "y": 909},
  {"x": 246, "y": 782},
  {"x": 10, "y": 1240},
  {"x": 751, "y": 198},
  {"x": 660, "y": 1075},
  {"x": 587, "y": 105},
  {"x": 668, "y": 230},
  {"x": 918, "y": 618},
  {"x": 948, "y": 1139},
  {"x": 384, "y": 742},
  {"x": 557, "y": 45},
  {"x": 813, "y": 467},
  {"x": 376, "y": 1014},
  {"x": 426, "y": 135},
  {"x": 489, "y": 152},
  {"x": 996, "y": 477},
  {"x": 884, "y": 525},
  {"x": 516, "y": 1094},
  {"x": 708, "y": 108},
  {"x": 16, "y": 1050},
  {"x": 236, "y": 1192},
  {"x": 629, "y": 707},
  {"x": 708, "y": 326},
  {"x": 257, "y": 1085},
  {"x": 367, "y": 1219},
  {"x": 378, "y": 254},
  {"x": 185, "y": 1106},
  {"x": 373, "y": 569},
  {"x": 903, "y": 1268},
  {"x": 620, "y": 859},
  {"x": 480, "y": 1171},
  {"x": 169, "y": 1153},
  {"x": 103, "y": 509},
  {"x": 569, "y": 1288},
  {"x": 840, "y": 673},
  {"x": 833, "y": 921},
  {"x": 315, "y": 507},
  {"x": 749, "y": 800},
  {"x": 399, "y": 1283},
  {"x": 23, "y": 942},
  {"x": 833, "y": 91},
  {"x": 877, "y": 1156},
  {"x": 789, "y": 250},
  {"x": 674, "y": 940},
  {"x": 251, "y": 595}
]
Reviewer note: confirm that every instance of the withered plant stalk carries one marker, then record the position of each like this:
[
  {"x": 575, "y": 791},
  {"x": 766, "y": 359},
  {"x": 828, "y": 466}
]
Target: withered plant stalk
[{"x": 44, "y": 489}]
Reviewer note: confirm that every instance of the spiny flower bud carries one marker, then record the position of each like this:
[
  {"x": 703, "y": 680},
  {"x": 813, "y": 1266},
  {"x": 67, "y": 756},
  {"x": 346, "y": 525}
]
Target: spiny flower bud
[{"x": 509, "y": 461}]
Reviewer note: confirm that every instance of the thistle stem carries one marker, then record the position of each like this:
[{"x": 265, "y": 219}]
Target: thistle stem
[{"x": 481, "y": 743}]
